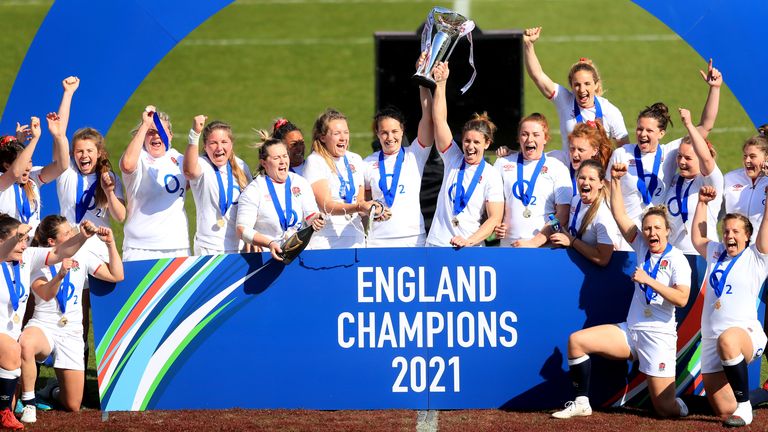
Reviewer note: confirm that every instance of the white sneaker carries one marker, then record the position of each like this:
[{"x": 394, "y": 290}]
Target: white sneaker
[
  {"x": 575, "y": 408},
  {"x": 741, "y": 417},
  {"x": 29, "y": 414},
  {"x": 682, "y": 406}
]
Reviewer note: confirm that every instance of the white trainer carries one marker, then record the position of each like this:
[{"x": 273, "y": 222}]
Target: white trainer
[
  {"x": 575, "y": 408},
  {"x": 682, "y": 406},
  {"x": 29, "y": 414},
  {"x": 741, "y": 417}
]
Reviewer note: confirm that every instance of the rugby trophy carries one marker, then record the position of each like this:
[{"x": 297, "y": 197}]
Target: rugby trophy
[{"x": 448, "y": 27}]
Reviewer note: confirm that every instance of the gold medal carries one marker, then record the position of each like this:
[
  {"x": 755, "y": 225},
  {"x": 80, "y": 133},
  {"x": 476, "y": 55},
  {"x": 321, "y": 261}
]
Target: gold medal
[
  {"x": 455, "y": 222},
  {"x": 527, "y": 213},
  {"x": 220, "y": 222},
  {"x": 647, "y": 312},
  {"x": 16, "y": 318},
  {"x": 63, "y": 321},
  {"x": 718, "y": 305}
]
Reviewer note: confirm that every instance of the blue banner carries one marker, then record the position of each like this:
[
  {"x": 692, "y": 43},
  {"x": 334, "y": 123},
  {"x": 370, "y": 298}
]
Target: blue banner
[{"x": 423, "y": 328}]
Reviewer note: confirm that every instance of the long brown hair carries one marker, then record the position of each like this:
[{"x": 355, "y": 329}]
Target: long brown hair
[
  {"x": 102, "y": 164},
  {"x": 237, "y": 172},
  {"x": 602, "y": 196},
  {"x": 9, "y": 151},
  {"x": 320, "y": 129}
]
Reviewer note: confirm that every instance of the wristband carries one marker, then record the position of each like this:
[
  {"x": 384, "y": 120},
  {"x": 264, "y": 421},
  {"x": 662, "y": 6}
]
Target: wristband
[
  {"x": 247, "y": 235},
  {"x": 194, "y": 137}
]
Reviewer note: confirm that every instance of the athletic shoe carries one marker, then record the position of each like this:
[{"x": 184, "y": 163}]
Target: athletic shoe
[
  {"x": 741, "y": 417},
  {"x": 575, "y": 408},
  {"x": 682, "y": 406},
  {"x": 758, "y": 396},
  {"x": 46, "y": 392},
  {"x": 8, "y": 420},
  {"x": 19, "y": 407},
  {"x": 29, "y": 414},
  {"x": 42, "y": 406}
]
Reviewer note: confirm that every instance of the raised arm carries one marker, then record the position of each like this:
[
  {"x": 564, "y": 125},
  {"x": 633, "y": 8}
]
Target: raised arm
[
  {"x": 626, "y": 225},
  {"x": 113, "y": 270},
  {"x": 706, "y": 161},
  {"x": 73, "y": 244},
  {"x": 699, "y": 224},
  {"x": 762, "y": 233},
  {"x": 443, "y": 136},
  {"x": 19, "y": 166},
  {"x": 714, "y": 79},
  {"x": 70, "y": 85},
  {"x": 129, "y": 161},
  {"x": 545, "y": 84},
  {"x": 60, "y": 161},
  {"x": 9, "y": 244},
  {"x": 192, "y": 154}
]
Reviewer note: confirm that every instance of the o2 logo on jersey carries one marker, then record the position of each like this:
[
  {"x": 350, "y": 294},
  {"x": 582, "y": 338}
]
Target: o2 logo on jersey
[{"x": 173, "y": 185}]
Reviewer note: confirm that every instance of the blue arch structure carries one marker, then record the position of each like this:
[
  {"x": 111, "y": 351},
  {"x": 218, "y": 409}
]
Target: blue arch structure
[{"x": 116, "y": 31}]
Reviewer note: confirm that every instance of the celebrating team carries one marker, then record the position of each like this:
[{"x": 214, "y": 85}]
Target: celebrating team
[{"x": 660, "y": 200}]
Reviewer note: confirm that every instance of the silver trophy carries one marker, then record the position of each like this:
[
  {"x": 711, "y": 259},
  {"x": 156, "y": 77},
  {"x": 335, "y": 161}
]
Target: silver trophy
[{"x": 448, "y": 27}]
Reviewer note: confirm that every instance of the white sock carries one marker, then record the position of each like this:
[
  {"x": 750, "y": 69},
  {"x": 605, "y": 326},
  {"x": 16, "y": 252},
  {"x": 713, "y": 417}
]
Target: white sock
[
  {"x": 578, "y": 360},
  {"x": 25, "y": 396}
]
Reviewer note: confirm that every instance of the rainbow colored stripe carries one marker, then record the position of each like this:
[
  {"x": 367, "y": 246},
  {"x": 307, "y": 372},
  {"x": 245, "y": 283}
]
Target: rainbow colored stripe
[{"x": 174, "y": 302}]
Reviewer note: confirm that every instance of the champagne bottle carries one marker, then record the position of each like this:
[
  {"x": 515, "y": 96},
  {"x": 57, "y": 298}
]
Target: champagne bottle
[{"x": 293, "y": 245}]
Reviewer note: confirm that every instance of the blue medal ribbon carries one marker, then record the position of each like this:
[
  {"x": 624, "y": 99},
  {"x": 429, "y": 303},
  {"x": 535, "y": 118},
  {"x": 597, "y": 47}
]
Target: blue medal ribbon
[
  {"x": 518, "y": 189},
  {"x": 62, "y": 295},
  {"x": 460, "y": 195},
  {"x": 347, "y": 188},
  {"x": 391, "y": 191},
  {"x": 572, "y": 225},
  {"x": 225, "y": 197},
  {"x": 83, "y": 198},
  {"x": 15, "y": 287},
  {"x": 682, "y": 203},
  {"x": 22, "y": 203},
  {"x": 573, "y": 179},
  {"x": 717, "y": 283},
  {"x": 646, "y": 189},
  {"x": 288, "y": 218},
  {"x": 649, "y": 292},
  {"x": 577, "y": 110},
  {"x": 161, "y": 130}
]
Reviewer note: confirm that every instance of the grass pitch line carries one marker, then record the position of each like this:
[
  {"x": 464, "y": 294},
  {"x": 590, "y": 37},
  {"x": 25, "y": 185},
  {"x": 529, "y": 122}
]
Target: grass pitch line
[{"x": 426, "y": 421}]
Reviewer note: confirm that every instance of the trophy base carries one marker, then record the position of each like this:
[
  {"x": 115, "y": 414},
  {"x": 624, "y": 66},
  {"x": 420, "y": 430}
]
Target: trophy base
[{"x": 424, "y": 81}]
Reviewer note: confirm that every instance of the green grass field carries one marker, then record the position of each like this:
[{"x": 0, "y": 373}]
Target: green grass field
[{"x": 259, "y": 59}]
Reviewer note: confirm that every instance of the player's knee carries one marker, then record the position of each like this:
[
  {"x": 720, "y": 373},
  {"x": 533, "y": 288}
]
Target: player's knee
[{"x": 728, "y": 346}]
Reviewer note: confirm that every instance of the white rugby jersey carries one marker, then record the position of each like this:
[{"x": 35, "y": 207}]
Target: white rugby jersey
[
  {"x": 613, "y": 121},
  {"x": 553, "y": 187},
  {"x": 739, "y": 297},
  {"x": 257, "y": 210},
  {"x": 633, "y": 201},
  {"x": 673, "y": 270},
  {"x": 489, "y": 189},
  {"x": 406, "y": 219},
  {"x": 155, "y": 209},
  {"x": 743, "y": 197},
  {"x": 205, "y": 190}
]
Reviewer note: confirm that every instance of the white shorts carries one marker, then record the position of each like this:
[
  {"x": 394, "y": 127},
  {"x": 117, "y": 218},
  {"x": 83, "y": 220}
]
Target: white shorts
[
  {"x": 393, "y": 242},
  {"x": 655, "y": 351},
  {"x": 134, "y": 254},
  {"x": 710, "y": 359},
  {"x": 202, "y": 250},
  {"x": 67, "y": 348}
]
